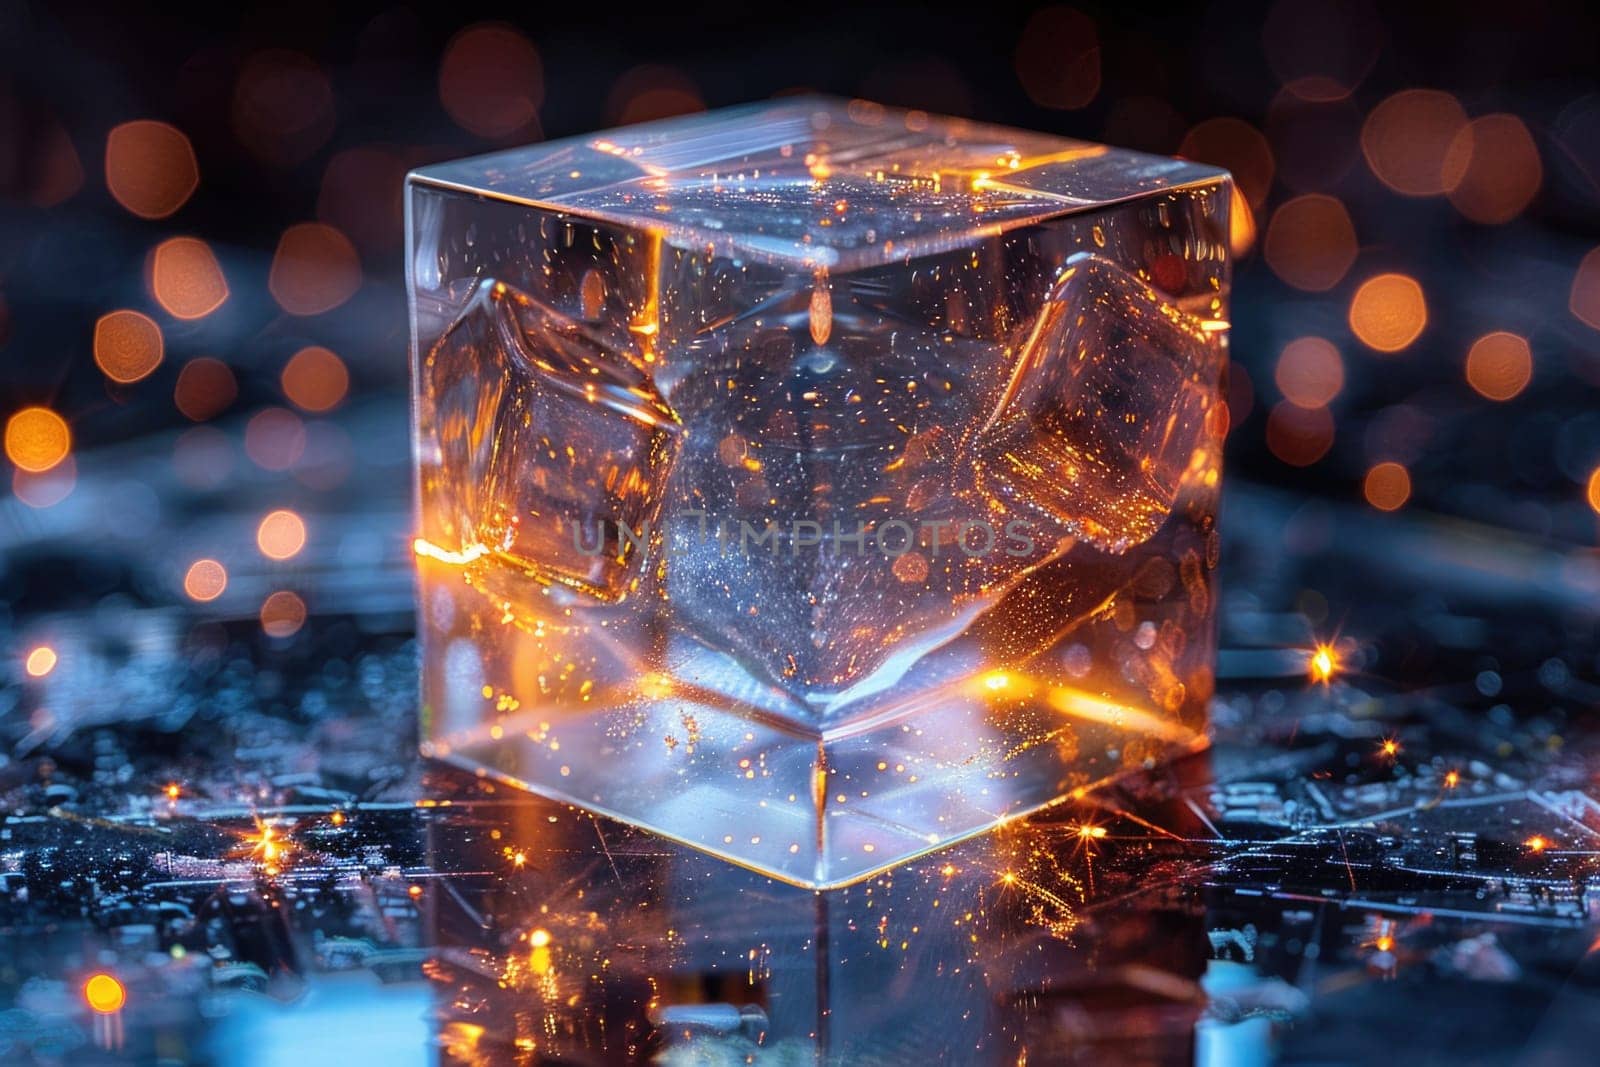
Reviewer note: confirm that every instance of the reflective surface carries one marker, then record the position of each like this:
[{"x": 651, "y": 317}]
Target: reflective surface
[{"x": 817, "y": 483}]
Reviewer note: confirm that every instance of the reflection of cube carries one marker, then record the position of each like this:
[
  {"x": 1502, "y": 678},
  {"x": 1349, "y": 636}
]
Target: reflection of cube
[
  {"x": 816, "y": 483},
  {"x": 1107, "y": 407}
]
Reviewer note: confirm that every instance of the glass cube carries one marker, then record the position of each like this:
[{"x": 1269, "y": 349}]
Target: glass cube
[{"x": 817, "y": 483}]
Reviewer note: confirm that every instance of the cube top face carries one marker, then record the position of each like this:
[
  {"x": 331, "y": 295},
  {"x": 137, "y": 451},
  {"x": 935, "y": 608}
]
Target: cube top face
[
  {"x": 832, "y": 519},
  {"x": 817, "y": 182}
]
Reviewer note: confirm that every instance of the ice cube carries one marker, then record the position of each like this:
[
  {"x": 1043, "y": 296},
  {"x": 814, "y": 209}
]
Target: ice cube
[
  {"x": 552, "y": 449},
  {"x": 1105, "y": 409}
]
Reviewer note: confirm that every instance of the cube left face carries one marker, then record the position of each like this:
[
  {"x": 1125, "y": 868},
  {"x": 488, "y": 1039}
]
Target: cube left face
[{"x": 630, "y": 444}]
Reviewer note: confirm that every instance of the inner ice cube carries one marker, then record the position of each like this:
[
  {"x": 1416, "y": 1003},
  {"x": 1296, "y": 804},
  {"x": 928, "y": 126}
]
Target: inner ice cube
[
  {"x": 821, "y": 520},
  {"x": 1105, "y": 409},
  {"x": 552, "y": 449}
]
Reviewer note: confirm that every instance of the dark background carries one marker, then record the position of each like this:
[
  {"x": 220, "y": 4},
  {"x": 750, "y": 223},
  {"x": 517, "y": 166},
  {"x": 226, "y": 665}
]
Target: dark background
[{"x": 314, "y": 112}]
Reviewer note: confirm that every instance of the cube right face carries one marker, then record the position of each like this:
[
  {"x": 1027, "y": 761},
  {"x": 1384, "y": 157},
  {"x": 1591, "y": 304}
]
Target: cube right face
[{"x": 817, "y": 484}]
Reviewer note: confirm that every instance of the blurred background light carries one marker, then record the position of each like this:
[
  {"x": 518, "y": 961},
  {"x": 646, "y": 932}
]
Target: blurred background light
[
  {"x": 1388, "y": 312},
  {"x": 128, "y": 346},
  {"x": 314, "y": 270},
  {"x": 1499, "y": 365},
  {"x": 1058, "y": 58},
  {"x": 491, "y": 81},
  {"x": 1387, "y": 486},
  {"x": 185, "y": 278},
  {"x": 1418, "y": 142},
  {"x": 1311, "y": 242},
  {"x": 150, "y": 168}
]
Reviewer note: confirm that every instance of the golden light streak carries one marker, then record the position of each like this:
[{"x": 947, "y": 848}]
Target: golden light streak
[
  {"x": 428, "y": 550},
  {"x": 1089, "y": 708}
]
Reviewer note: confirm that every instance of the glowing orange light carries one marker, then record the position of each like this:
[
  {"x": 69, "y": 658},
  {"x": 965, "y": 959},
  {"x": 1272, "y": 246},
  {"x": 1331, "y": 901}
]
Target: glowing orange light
[
  {"x": 1309, "y": 372},
  {"x": 37, "y": 439},
  {"x": 127, "y": 346},
  {"x": 275, "y": 439},
  {"x": 1090, "y": 832},
  {"x": 282, "y": 107},
  {"x": 1452, "y": 779},
  {"x": 519, "y": 859},
  {"x": 1384, "y": 943},
  {"x": 1241, "y": 223},
  {"x": 150, "y": 168},
  {"x": 1594, "y": 490},
  {"x": 1499, "y": 167},
  {"x": 1389, "y": 747},
  {"x": 1584, "y": 299},
  {"x": 281, "y": 535},
  {"x": 1311, "y": 242},
  {"x": 314, "y": 270},
  {"x": 1323, "y": 664},
  {"x": 652, "y": 92},
  {"x": 173, "y": 791},
  {"x": 315, "y": 379},
  {"x": 1058, "y": 58},
  {"x": 1413, "y": 142},
  {"x": 41, "y": 661},
  {"x": 186, "y": 279},
  {"x": 1499, "y": 365},
  {"x": 1387, "y": 486},
  {"x": 1240, "y": 148},
  {"x": 204, "y": 389},
  {"x": 282, "y": 614},
  {"x": 104, "y": 994},
  {"x": 1299, "y": 436},
  {"x": 491, "y": 81},
  {"x": 337, "y": 818},
  {"x": 539, "y": 938},
  {"x": 1536, "y": 843},
  {"x": 205, "y": 580},
  {"x": 1388, "y": 312},
  {"x": 414, "y": 892}
]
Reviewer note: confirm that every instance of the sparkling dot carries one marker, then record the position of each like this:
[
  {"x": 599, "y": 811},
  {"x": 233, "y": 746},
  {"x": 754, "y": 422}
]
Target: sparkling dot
[{"x": 104, "y": 994}]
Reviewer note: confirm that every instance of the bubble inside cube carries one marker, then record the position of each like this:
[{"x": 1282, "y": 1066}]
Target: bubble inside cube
[{"x": 817, "y": 483}]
